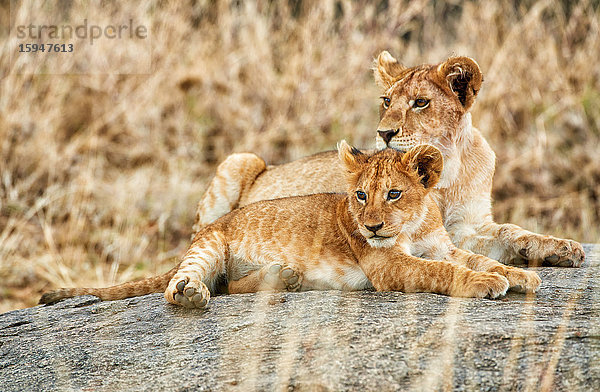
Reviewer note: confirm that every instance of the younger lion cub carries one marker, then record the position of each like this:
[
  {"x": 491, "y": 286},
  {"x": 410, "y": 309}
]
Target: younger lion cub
[{"x": 373, "y": 237}]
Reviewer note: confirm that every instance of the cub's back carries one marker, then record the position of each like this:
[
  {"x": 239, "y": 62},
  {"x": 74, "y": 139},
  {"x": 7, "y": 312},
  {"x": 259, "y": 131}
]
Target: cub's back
[{"x": 319, "y": 173}]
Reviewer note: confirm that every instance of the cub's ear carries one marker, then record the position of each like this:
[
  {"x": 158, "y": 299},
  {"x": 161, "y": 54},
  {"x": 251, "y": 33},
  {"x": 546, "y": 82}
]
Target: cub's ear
[
  {"x": 463, "y": 77},
  {"x": 351, "y": 157},
  {"x": 386, "y": 70},
  {"x": 427, "y": 161}
]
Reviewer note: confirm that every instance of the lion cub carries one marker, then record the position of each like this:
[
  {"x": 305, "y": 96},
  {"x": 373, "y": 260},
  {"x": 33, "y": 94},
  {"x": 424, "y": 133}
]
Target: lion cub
[{"x": 372, "y": 237}]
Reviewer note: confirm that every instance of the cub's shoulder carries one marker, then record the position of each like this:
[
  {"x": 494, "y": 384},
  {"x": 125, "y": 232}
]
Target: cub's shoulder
[
  {"x": 324, "y": 157},
  {"x": 313, "y": 202}
]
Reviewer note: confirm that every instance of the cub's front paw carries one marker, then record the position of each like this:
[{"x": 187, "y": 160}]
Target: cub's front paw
[
  {"x": 538, "y": 249},
  {"x": 484, "y": 284},
  {"x": 519, "y": 279},
  {"x": 187, "y": 293}
]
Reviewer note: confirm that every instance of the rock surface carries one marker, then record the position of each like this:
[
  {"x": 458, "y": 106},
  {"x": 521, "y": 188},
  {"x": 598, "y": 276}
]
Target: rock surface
[{"x": 315, "y": 341}]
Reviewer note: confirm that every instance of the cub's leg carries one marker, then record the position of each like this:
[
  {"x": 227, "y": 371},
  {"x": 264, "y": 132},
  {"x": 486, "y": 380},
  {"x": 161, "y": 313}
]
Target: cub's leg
[
  {"x": 538, "y": 249},
  {"x": 518, "y": 279},
  {"x": 472, "y": 228},
  {"x": 272, "y": 277},
  {"x": 233, "y": 177},
  {"x": 198, "y": 272},
  {"x": 509, "y": 243},
  {"x": 407, "y": 273}
]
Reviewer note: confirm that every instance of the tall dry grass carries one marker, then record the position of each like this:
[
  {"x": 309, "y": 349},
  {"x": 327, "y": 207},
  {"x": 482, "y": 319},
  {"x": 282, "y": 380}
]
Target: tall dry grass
[{"x": 100, "y": 173}]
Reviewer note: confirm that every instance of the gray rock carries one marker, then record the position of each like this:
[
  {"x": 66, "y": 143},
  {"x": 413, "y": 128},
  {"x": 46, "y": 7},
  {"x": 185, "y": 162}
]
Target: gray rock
[{"x": 317, "y": 341}]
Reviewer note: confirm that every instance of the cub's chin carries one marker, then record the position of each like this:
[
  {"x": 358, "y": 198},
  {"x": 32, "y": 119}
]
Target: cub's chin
[{"x": 381, "y": 242}]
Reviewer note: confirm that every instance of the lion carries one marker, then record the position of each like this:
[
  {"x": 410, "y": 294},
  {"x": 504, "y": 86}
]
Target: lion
[
  {"x": 372, "y": 237},
  {"x": 423, "y": 104}
]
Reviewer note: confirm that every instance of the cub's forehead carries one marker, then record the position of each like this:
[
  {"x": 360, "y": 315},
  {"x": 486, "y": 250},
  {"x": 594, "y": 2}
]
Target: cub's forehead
[
  {"x": 384, "y": 172},
  {"x": 418, "y": 79}
]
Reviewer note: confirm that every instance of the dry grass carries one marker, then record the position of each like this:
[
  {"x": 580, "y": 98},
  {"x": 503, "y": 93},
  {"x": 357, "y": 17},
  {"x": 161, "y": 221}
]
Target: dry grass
[{"x": 100, "y": 174}]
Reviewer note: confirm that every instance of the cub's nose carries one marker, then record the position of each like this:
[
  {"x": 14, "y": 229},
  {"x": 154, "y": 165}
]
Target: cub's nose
[
  {"x": 374, "y": 228},
  {"x": 388, "y": 135}
]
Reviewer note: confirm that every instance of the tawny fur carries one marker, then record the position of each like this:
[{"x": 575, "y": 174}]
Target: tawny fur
[
  {"x": 463, "y": 193},
  {"x": 323, "y": 241},
  {"x": 154, "y": 284}
]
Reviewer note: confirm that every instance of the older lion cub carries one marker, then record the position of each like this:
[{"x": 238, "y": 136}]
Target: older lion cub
[{"x": 372, "y": 237}]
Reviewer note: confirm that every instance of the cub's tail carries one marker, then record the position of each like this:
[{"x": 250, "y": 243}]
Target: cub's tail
[{"x": 154, "y": 284}]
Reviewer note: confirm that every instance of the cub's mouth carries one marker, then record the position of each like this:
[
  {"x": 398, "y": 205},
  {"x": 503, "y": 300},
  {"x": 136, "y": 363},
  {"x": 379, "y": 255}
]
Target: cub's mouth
[
  {"x": 379, "y": 237},
  {"x": 380, "y": 241}
]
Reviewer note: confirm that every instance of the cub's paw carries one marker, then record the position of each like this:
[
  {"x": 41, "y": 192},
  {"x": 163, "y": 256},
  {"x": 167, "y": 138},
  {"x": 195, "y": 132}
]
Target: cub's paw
[
  {"x": 283, "y": 276},
  {"x": 519, "y": 279},
  {"x": 187, "y": 293},
  {"x": 485, "y": 284},
  {"x": 548, "y": 250}
]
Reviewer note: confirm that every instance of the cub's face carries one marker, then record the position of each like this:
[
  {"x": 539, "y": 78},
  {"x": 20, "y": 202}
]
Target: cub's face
[
  {"x": 387, "y": 190},
  {"x": 424, "y": 104}
]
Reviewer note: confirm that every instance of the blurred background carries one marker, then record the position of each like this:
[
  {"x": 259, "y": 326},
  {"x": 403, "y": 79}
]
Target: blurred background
[{"x": 100, "y": 174}]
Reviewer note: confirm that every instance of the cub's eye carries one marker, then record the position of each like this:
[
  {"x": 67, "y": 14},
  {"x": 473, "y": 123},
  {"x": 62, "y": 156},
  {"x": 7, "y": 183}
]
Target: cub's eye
[
  {"x": 361, "y": 196},
  {"x": 386, "y": 102},
  {"x": 394, "y": 194},
  {"x": 421, "y": 103}
]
